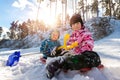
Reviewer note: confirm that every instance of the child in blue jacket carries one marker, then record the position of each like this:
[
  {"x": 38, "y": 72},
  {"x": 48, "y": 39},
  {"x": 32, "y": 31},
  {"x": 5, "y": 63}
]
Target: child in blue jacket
[{"x": 49, "y": 44}]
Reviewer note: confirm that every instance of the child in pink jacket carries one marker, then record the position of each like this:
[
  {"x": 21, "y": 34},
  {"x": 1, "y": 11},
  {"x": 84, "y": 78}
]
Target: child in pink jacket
[{"x": 80, "y": 35}]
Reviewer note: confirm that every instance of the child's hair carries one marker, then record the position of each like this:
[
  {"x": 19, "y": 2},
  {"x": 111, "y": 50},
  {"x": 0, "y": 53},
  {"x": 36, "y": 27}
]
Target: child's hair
[
  {"x": 55, "y": 31},
  {"x": 76, "y": 18}
]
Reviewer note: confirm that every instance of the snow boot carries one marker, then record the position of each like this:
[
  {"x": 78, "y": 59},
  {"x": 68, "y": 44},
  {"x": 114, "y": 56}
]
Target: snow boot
[
  {"x": 43, "y": 60},
  {"x": 100, "y": 67},
  {"x": 54, "y": 67},
  {"x": 65, "y": 71},
  {"x": 49, "y": 75}
]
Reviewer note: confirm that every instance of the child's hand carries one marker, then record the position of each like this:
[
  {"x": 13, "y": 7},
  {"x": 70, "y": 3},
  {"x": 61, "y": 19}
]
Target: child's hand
[
  {"x": 53, "y": 52},
  {"x": 56, "y": 52}
]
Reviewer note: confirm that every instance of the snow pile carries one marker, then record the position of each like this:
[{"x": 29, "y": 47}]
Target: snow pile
[
  {"x": 27, "y": 42},
  {"x": 100, "y": 27}
]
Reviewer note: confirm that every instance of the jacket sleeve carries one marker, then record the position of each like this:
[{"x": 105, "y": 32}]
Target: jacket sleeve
[
  {"x": 44, "y": 47},
  {"x": 86, "y": 42},
  {"x": 58, "y": 44}
]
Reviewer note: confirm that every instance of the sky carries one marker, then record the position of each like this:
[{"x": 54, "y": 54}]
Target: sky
[
  {"x": 13, "y": 10},
  {"x": 5, "y": 7},
  {"x": 30, "y": 67}
]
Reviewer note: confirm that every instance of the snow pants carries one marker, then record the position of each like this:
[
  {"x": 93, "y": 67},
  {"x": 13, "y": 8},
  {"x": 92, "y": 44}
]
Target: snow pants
[{"x": 87, "y": 59}]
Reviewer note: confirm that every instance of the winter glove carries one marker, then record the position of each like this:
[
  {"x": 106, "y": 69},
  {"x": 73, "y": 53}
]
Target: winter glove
[
  {"x": 56, "y": 52},
  {"x": 53, "y": 52}
]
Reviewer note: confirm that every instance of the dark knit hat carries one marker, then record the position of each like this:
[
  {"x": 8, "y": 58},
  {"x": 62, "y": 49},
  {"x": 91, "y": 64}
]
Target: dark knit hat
[{"x": 76, "y": 18}]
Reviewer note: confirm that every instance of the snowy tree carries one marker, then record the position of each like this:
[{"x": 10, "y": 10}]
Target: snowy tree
[{"x": 1, "y": 30}]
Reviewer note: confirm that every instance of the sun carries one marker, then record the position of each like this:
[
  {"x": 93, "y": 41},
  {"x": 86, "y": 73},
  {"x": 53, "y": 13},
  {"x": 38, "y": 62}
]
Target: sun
[{"x": 45, "y": 16}]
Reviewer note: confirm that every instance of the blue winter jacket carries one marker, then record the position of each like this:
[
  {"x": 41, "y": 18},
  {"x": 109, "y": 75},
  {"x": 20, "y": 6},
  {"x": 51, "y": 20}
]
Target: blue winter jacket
[{"x": 47, "y": 46}]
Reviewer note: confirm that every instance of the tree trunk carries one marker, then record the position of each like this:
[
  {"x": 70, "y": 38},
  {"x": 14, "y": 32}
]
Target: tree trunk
[
  {"x": 110, "y": 8},
  {"x": 97, "y": 9},
  {"x": 65, "y": 10},
  {"x": 83, "y": 11},
  {"x": 73, "y": 5},
  {"x": 55, "y": 8},
  {"x": 50, "y": 8}
]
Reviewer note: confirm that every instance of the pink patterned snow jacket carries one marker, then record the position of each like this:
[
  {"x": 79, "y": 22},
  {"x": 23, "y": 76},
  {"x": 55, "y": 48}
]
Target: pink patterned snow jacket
[{"x": 84, "y": 39}]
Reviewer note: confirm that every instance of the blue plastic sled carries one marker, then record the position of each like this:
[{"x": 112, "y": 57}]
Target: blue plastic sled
[{"x": 13, "y": 59}]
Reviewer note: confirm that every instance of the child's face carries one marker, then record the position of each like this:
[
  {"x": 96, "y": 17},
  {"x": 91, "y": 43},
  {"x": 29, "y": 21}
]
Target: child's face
[
  {"x": 54, "y": 36},
  {"x": 76, "y": 26}
]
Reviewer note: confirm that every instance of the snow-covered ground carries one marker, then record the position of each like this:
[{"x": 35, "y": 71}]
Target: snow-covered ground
[{"x": 30, "y": 67}]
